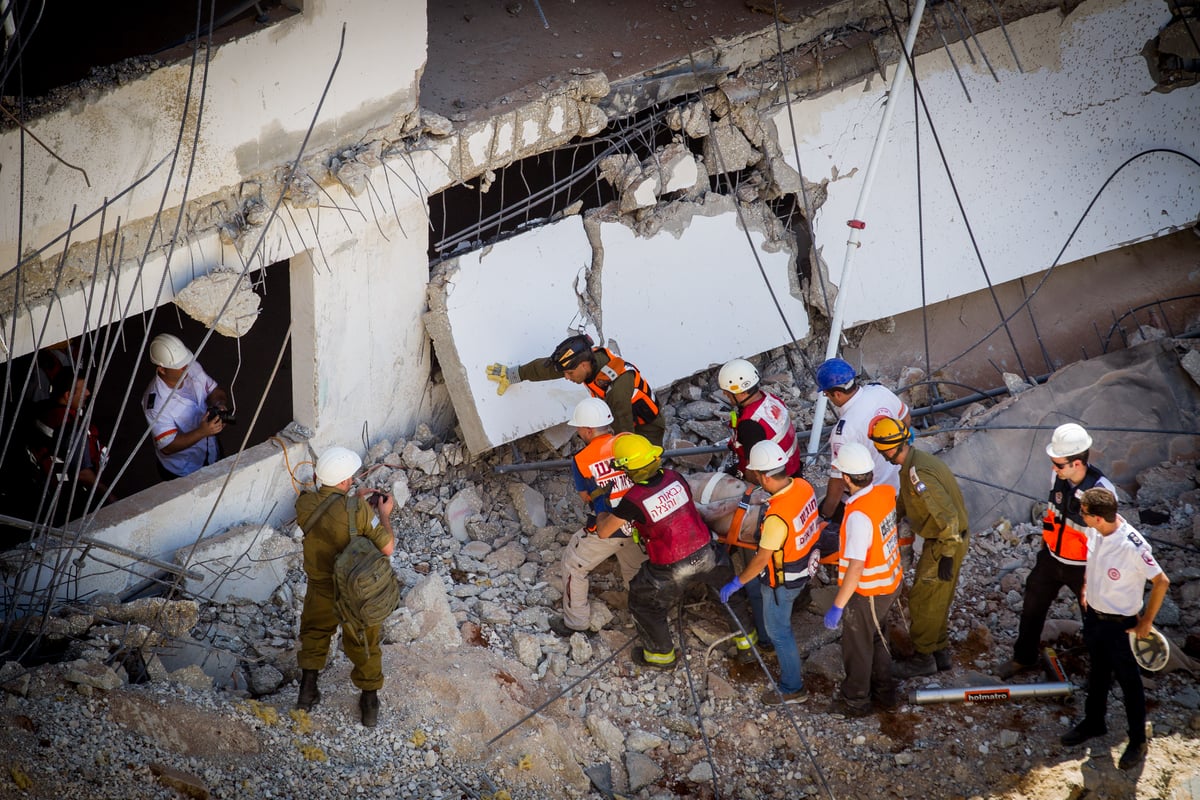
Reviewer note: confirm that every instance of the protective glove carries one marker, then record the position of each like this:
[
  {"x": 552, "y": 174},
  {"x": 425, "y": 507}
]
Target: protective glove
[
  {"x": 503, "y": 376},
  {"x": 590, "y": 523},
  {"x": 945, "y": 568},
  {"x": 832, "y": 617},
  {"x": 728, "y": 589}
]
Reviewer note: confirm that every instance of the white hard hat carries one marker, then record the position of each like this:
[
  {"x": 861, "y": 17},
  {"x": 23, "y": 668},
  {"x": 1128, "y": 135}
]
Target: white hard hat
[
  {"x": 168, "y": 352},
  {"x": 738, "y": 376},
  {"x": 591, "y": 412},
  {"x": 853, "y": 459},
  {"x": 336, "y": 465},
  {"x": 1068, "y": 440},
  {"x": 766, "y": 456},
  {"x": 1151, "y": 653}
]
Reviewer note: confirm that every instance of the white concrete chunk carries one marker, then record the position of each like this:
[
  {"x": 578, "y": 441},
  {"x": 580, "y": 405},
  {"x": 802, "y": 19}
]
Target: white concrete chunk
[
  {"x": 247, "y": 561},
  {"x": 466, "y": 503},
  {"x": 530, "y": 505},
  {"x": 203, "y": 299}
]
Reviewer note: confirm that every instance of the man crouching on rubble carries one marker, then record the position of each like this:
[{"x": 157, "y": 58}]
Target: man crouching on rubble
[
  {"x": 324, "y": 516},
  {"x": 679, "y": 545}
]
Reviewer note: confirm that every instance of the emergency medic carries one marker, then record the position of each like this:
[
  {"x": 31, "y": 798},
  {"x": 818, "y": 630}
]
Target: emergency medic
[
  {"x": 603, "y": 373},
  {"x": 1119, "y": 562},
  {"x": 869, "y": 578},
  {"x": 66, "y": 448},
  {"x": 757, "y": 416},
  {"x": 1062, "y": 558},
  {"x": 184, "y": 408},
  {"x": 857, "y": 405},
  {"x": 932, "y": 502},
  {"x": 600, "y": 486},
  {"x": 787, "y": 555},
  {"x": 679, "y": 545}
]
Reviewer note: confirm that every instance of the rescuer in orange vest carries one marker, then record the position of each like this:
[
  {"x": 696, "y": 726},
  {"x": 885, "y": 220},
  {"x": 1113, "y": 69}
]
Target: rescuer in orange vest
[
  {"x": 869, "y": 577},
  {"x": 603, "y": 373}
]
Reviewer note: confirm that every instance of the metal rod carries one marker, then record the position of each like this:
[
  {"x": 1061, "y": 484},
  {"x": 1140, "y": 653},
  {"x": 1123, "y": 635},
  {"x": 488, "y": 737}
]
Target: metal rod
[
  {"x": 560, "y": 463},
  {"x": 946, "y": 46},
  {"x": 1004, "y": 30},
  {"x": 992, "y": 694}
]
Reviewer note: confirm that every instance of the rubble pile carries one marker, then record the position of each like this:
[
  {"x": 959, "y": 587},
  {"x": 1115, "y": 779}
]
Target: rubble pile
[{"x": 195, "y": 696}]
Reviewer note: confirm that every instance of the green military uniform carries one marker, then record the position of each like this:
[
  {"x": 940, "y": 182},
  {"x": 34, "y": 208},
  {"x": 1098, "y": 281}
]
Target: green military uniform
[
  {"x": 618, "y": 398},
  {"x": 327, "y": 537},
  {"x": 933, "y": 503}
]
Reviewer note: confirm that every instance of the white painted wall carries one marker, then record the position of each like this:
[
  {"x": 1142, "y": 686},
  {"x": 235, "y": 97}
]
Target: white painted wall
[{"x": 1027, "y": 154}]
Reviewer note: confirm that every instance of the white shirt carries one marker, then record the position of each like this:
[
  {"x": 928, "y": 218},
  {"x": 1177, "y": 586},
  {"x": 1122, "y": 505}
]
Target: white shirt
[
  {"x": 169, "y": 414},
  {"x": 854, "y": 425},
  {"x": 1118, "y": 566},
  {"x": 859, "y": 531}
]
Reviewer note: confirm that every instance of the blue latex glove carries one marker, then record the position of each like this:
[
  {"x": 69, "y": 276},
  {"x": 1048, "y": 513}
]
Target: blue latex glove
[
  {"x": 832, "y": 617},
  {"x": 728, "y": 589}
]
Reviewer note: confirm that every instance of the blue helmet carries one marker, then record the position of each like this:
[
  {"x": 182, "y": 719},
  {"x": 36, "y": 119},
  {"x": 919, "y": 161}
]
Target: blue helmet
[{"x": 834, "y": 374}]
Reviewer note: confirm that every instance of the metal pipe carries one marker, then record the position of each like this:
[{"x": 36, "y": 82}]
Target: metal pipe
[
  {"x": 560, "y": 463},
  {"x": 856, "y": 224},
  {"x": 992, "y": 694}
]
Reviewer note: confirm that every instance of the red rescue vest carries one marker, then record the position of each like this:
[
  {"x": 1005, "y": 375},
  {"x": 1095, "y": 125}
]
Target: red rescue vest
[
  {"x": 882, "y": 572},
  {"x": 672, "y": 528},
  {"x": 796, "y": 505},
  {"x": 770, "y": 412},
  {"x": 1063, "y": 530},
  {"x": 645, "y": 407}
]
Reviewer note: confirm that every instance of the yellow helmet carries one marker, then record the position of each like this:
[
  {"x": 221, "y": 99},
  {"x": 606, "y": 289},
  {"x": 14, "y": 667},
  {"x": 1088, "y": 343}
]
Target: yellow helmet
[
  {"x": 631, "y": 451},
  {"x": 888, "y": 432}
]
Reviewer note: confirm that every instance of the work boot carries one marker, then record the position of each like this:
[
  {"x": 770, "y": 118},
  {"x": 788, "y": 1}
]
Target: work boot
[
  {"x": 560, "y": 628},
  {"x": 1135, "y": 754},
  {"x": 309, "y": 695},
  {"x": 368, "y": 704},
  {"x": 1081, "y": 733},
  {"x": 920, "y": 664},
  {"x": 942, "y": 657}
]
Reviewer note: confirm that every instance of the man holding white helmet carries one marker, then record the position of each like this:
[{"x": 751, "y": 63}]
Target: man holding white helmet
[
  {"x": 600, "y": 486},
  {"x": 1063, "y": 557},
  {"x": 757, "y": 416},
  {"x": 785, "y": 552},
  {"x": 185, "y": 409},
  {"x": 329, "y": 517}
]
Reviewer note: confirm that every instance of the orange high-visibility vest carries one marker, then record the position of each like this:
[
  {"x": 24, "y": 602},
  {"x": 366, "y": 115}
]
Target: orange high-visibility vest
[
  {"x": 882, "y": 573},
  {"x": 1063, "y": 530},
  {"x": 645, "y": 407},
  {"x": 797, "y": 507}
]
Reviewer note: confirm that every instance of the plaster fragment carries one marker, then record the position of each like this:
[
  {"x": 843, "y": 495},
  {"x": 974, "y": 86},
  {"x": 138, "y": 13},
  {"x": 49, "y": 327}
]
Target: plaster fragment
[{"x": 203, "y": 298}]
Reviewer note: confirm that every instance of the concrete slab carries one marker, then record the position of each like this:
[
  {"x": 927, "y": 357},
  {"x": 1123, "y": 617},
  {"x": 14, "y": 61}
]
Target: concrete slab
[
  {"x": 1131, "y": 391},
  {"x": 247, "y": 561}
]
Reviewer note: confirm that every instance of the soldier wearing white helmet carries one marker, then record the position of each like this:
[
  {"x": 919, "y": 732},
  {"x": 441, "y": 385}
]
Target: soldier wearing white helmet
[
  {"x": 185, "y": 409},
  {"x": 600, "y": 486},
  {"x": 1063, "y": 557},
  {"x": 757, "y": 416}
]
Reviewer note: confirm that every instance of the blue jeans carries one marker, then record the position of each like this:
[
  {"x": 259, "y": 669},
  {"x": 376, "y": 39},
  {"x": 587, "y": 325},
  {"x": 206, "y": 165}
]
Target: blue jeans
[
  {"x": 777, "y": 615},
  {"x": 754, "y": 591}
]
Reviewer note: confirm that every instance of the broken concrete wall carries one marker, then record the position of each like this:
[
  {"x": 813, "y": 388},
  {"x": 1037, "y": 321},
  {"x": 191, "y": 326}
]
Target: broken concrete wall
[{"x": 1027, "y": 154}]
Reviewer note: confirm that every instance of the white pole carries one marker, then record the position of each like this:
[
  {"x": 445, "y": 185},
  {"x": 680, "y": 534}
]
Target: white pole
[{"x": 856, "y": 224}]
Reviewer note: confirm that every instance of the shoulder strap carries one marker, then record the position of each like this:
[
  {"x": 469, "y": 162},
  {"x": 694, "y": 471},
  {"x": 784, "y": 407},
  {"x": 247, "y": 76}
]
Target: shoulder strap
[
  {"x": 320, "y": 512},
  {"x": 351, "y": 513}
]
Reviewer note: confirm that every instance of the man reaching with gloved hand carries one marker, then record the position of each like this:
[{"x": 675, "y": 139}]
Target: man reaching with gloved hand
[
  {"x": 932, "y": 502},
  {"x": 603, "y": 373}
]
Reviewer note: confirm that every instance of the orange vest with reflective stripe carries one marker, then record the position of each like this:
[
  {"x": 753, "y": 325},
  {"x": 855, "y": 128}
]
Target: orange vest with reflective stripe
[
  {"x": 797, "y": 507},
  {"x": 882, "y": 573},
  {"x": 594, "y": 463},
  {"x": 1062, "y": 527},
  {"x": 645, "y": 407}
]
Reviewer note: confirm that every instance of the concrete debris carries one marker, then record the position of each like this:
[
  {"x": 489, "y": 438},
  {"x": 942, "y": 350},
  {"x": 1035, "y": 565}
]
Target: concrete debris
[
  {"x": 608, "y": 736},
  {"x": 91, "y": 674},
  {"x": 728, "y": 150},
  {"x": 1015, "y": 383},
  {"x": 1165, "y": 483},
  {"x": 530, "y": 506},
  {"x": 222, "y": 300},
  {"x": 642, "y": 771},
  {"x": 185, "y": 783},
  {"x": 246, "y": 562},
  {"x": 303, "y": 192},
  {"x": 466, "y": 504},
  {"x": 693, "y": 119},
  {"x": 265, "y": 679}
]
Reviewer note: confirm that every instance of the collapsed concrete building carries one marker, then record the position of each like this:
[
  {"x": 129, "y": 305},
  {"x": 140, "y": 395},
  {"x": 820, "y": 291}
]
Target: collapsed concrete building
[{"x": 1038, "y": 198}]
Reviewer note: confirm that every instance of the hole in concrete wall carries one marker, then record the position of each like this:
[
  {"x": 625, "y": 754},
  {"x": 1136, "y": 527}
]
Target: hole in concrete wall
[
  {"x": 1173, "y": 57},
  {"x": 111, "y": 359}
]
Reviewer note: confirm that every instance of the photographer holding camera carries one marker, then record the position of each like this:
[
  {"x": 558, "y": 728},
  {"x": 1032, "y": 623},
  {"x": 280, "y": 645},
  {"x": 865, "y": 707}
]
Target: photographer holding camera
[{"x": 185, "y": 409}]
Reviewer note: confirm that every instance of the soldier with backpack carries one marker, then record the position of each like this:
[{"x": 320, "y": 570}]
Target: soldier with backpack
[{"x": 339, "y": 524}]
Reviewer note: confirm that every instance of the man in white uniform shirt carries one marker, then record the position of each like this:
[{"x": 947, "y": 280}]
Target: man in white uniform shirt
[
  {"x": 857, "y": 406},
  {"x": 176, "y": 404},
  {"x": 1119, "y": 562}
]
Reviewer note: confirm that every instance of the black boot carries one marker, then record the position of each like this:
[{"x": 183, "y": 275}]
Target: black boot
[
  {"x": 309, "y": 695},
  {"x": 368, "y": 704}
]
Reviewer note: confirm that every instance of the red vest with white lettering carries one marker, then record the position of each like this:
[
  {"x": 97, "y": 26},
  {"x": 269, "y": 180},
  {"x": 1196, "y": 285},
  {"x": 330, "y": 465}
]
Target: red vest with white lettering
[
  {"x": 673, "y": 528},
  {"x": 770, "y": 412}
]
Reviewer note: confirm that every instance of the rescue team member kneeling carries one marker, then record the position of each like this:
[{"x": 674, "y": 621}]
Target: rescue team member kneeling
[
  {"x": 681, "y": 551},
  {"x": 603, "y": 373}
]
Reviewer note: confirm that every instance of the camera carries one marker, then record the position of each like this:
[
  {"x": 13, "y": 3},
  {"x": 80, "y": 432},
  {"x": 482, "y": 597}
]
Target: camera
[
  {"x": 225, "y": 415},
  {"x": 375, "y": 498}
]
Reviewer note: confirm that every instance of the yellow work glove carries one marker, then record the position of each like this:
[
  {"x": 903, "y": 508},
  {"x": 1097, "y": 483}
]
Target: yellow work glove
[{"x": 503, "y": 376}]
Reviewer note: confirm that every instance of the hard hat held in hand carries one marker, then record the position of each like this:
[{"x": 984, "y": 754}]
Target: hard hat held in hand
[
  {"x": 591, "y": 412},
  {"x": 853, "y": 459},
  {"x": 168, "y": 352},
  {"x": 336, "y": 465},
  {"x": 1151, "y": 652},
  {"x": 1068, "y": 440},
  {"x": 737, "y": 376},
  {"x": 766, "y": 456}
]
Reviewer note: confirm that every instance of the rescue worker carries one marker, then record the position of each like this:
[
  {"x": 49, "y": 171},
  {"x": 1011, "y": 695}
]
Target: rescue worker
[
  {"x": 786, "y": 554},
  {"x": 329, "y": 517},
  {"x": 757, "y": 416},
  {"x": 932, "y": 502},
  {"x": 1062, "y": 559},
  {"x": 600, "y": 486},
  {"x": 857, "y": 405},
  {"x": 1119, "y": 562},
  {"x": 680, "y": 549},
  {"x": 869, "y": 578},
  {"x": 67, "y": 450},
  {"x": 185, "y": 409},
  {"x": 603, "y": 373}
]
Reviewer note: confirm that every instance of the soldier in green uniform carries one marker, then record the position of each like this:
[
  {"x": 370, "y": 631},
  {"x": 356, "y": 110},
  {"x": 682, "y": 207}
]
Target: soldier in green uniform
[
  {"x": 324, "y": 516},
  {"x": 933, "y": 504}
]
